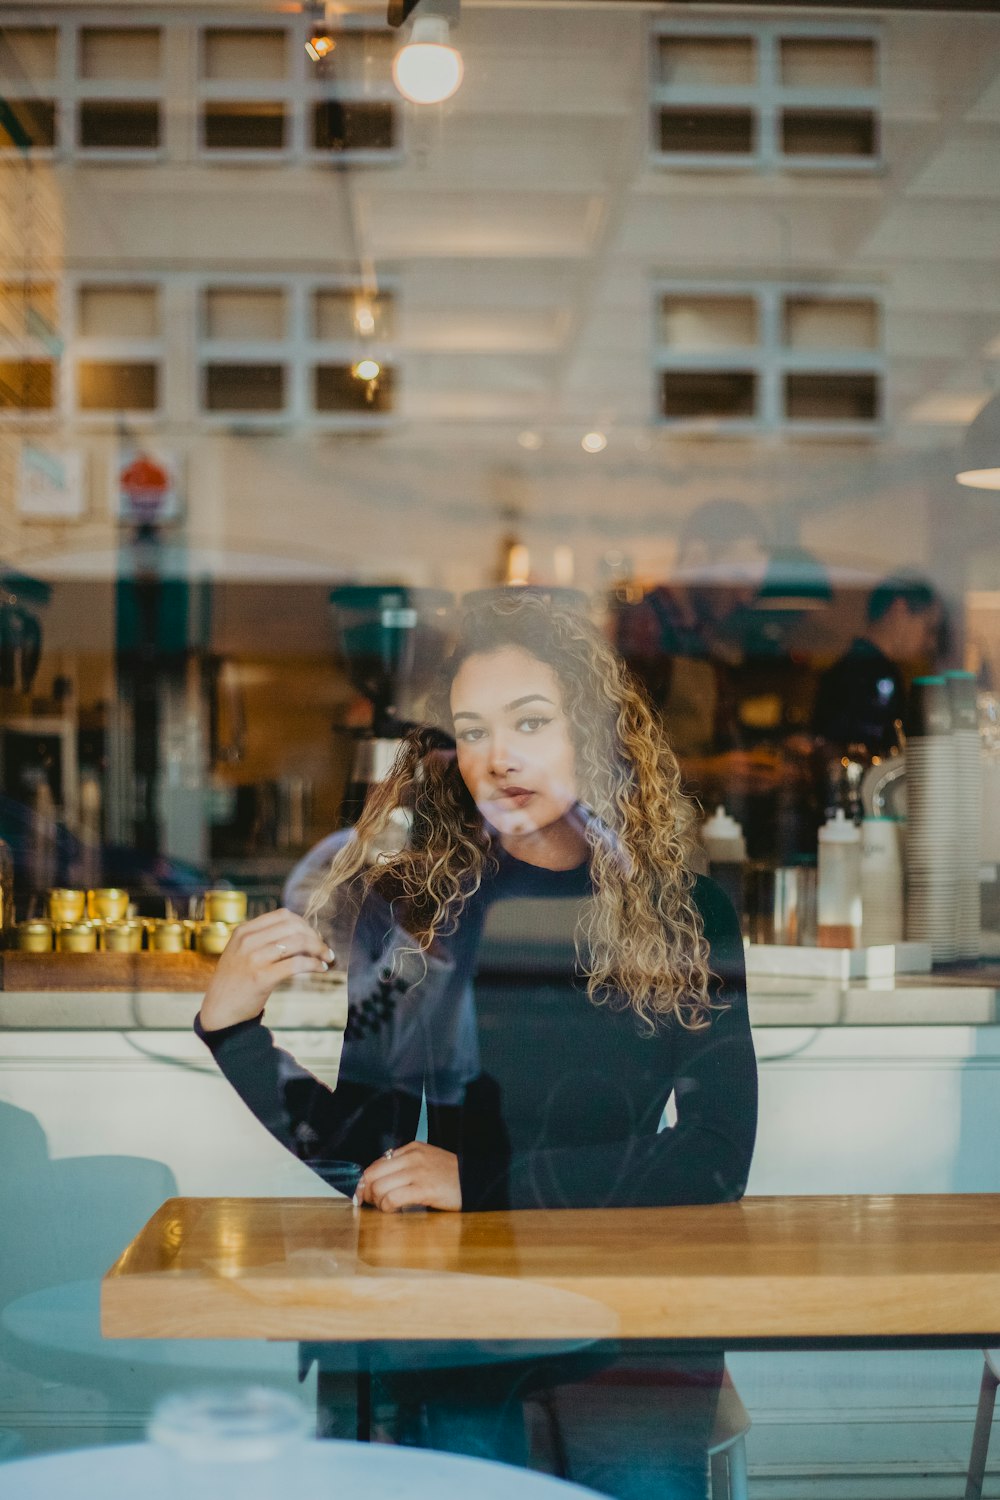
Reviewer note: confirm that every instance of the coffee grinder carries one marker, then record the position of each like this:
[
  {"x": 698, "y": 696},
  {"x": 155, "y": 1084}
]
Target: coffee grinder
[{"x": 393, "y": 639}]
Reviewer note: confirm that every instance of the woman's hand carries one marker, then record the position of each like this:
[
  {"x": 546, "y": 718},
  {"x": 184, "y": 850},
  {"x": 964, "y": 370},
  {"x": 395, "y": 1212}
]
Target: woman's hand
[
  {"x": 258, "y": 956},
  {"x": 413, "y": 1176}
]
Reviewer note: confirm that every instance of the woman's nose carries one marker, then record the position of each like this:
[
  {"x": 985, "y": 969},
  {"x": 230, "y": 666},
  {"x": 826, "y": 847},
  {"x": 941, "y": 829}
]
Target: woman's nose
[{"x": 503, "y": 757}]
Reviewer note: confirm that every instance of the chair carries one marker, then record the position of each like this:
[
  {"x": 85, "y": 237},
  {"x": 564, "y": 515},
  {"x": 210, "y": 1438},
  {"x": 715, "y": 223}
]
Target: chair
[
  {"x": 984, "y": 1421},
  {"x": 727, "y": 1450}
]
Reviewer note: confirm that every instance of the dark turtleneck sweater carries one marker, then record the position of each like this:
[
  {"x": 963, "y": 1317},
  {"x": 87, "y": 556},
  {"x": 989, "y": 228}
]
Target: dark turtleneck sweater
[{"x": 548, "y": 1099}]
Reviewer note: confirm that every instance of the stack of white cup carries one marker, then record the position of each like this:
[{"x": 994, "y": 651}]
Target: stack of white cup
[
  {"x": 931, "y": 843},
  {"x": 968, "y": 811}
]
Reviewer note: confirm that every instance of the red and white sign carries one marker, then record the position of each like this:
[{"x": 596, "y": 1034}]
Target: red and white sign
[{"x": 147, "y": 488}]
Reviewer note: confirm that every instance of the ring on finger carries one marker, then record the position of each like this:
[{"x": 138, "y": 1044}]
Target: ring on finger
[
  {"x": 388, "y": 1154},
  {"x": 281, "y": 949}
]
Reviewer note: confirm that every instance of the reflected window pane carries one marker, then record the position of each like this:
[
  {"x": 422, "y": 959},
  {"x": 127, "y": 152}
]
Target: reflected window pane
[
  {"x": 119, "y": 124},
  {"x": 27, "y": 384},
  {"x": 228, "y": 52},
  {"x": 831, "y": 398},
  {"x": 718, "y": 61},
  {"x": 361, "y": 57},
  {"x": 256, "y": 126},
  {"x": 118, "y": 312},
  {"x": 117, "y": 385},
  {"x": 336, "y": 388},
  {"x": 29, "y": 53},
  {"x": 828, "y": 132},
  {"x": 244, "y": 387},
  {"x": 339, "y": 125},
  {"x": 834, "y": 323},
  {"x": 28, "y": 309},
  {"x": 709, "y": 393},
  {"x": 340, "y": 315},
  {"x": 27, "y": 124},
  {"x": 707, "y": 132},
  {"x": 702, "y": 322},
  {"x": 248, "y": 314},
  {"x": 119, "y": 54},
  {"x": 828, "y": 62}
]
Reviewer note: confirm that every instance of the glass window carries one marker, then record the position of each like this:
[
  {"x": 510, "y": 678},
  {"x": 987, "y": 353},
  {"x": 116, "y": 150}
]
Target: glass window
[
  {"x": 119, "y": 124},
  {"x": 260, "y": 52},
  {"x": 118, "y": 55},
  {"x": 257, "y": 125},
  {"x": 117, "y": 385},
  {"x": 244, "y": 387}
]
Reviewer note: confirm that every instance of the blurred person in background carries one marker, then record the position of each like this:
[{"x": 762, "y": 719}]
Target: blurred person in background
[{"x": 860, "y": 699}]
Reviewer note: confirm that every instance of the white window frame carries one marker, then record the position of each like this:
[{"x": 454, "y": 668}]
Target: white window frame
[
  {"x": 302, "y": 86},
  {"x": 298, "y": 352},
  {"x": 29, "y": 346},
  {"x": 771, "y": 359},
  {"x": 766, "y": 98},
  {"x": 113, "y": 350},
  {"x": 53, "y": 88},
  {"x": 318, "y": 88},
  {"x": 114, "y": 90}
]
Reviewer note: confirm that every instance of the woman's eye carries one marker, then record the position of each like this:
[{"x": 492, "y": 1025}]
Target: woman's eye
[
  {"x": 532, "y": 724},
  {"x": 469, "y": 736}
]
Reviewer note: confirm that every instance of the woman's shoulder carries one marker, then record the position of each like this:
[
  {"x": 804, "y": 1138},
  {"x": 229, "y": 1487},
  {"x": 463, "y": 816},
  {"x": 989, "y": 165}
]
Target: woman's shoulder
[{"x": 718, "y": 915}]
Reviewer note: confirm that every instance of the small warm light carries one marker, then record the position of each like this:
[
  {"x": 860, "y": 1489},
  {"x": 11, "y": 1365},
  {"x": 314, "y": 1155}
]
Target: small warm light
[
  {"x": 428, "y": 69},
  {"x": 518, "y": 564},
  {"x": 364, "y": 319},
  {"x": 320, "y": 45},
  {"x": 366, "y": 369},
  {"x": 530, "y": 440},
  {"x": 563, "y": 565},
  {"x": 593, "y": 442}
]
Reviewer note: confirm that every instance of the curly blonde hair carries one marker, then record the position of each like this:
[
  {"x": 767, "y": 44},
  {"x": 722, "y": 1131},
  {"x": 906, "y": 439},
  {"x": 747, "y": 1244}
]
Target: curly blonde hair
[{"x": 641, "y": 936}]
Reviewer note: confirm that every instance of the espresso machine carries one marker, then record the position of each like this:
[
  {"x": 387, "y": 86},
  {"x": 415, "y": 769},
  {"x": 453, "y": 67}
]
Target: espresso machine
[{"x": 392, "y": 640}]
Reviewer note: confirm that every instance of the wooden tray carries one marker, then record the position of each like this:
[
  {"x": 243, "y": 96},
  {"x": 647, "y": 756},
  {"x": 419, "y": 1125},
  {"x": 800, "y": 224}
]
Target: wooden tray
[{"x": 188, "y": 972}]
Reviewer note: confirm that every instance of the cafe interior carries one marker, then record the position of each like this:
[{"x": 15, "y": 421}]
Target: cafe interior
[{"x": 325, "y": 328}]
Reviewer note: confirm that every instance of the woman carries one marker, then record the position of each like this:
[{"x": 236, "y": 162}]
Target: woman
[{"x": 537, "y": 962}]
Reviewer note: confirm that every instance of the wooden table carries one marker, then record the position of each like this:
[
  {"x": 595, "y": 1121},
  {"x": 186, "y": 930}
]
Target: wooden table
[{"x": 767, "y": 1272}]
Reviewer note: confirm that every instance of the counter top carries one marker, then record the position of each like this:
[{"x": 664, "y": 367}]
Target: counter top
[{"x": 321, "y": 1005}]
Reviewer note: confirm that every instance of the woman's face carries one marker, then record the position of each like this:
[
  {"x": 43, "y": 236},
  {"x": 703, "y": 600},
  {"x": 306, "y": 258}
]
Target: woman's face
[{"x": 514, "y": 748}]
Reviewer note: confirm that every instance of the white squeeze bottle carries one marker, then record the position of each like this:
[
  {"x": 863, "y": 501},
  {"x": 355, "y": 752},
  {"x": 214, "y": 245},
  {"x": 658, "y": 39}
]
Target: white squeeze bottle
[
  {"x": 838, "y": 890},
  {"x": 726, "y": 848}
]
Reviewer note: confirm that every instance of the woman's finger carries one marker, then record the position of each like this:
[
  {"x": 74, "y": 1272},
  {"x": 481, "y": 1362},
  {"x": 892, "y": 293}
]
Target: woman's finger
[
  {"x": 280, "y": 940},
  {"x": 377, "y": 1184}
]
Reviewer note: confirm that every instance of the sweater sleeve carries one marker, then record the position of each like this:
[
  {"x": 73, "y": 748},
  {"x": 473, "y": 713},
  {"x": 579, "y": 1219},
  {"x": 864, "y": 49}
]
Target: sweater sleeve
[
  {"x": 703, "y": 1158},
  {"x": 328, "y": 1129}
]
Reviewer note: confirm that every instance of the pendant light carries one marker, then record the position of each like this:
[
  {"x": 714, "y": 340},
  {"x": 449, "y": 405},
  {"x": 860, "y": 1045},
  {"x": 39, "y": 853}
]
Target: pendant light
[{"x": 979, "y": 455}]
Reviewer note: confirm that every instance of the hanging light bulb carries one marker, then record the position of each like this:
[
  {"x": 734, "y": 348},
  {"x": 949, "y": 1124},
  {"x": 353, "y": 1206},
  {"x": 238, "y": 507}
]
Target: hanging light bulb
[
  {"x": 364, "y": 319},
  {"x": 979, "y": 456},
  {"x": 366, "y": 369},
  {"x": 320, "y": 42},
  {"x": 428, "y": 69}
]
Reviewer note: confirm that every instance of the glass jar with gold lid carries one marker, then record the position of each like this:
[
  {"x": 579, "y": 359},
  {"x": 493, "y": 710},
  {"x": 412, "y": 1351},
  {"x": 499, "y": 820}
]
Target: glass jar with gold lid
[
  {"x": 167, "y": 935},
  {"x": 34, "y": 936},
  {"x": 76, "y": 937},
  {"x": 108, "y": 903},
  {"x": 225, "y": 906},
  {"x": 122, "y": 937},
  {"x": 67, "y": 905},
  {"x": 212, "y": 937}
]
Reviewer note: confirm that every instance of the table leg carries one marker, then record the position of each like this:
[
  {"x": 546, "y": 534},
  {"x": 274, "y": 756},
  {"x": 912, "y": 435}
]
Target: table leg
[{"x": 343, "y": 1395}]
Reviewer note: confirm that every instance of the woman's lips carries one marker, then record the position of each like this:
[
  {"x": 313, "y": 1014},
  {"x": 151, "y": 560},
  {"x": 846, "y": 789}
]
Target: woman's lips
[{"x": 514, "y": 796}]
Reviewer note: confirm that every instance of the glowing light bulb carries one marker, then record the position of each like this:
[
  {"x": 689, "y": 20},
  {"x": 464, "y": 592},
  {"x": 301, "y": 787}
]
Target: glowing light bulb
[
  {"x": 428, "y": 69},
  {"x": 367, "y": 369},
  {"x": 593, "y": 442},
  {"x": 320, "y": 45},
  {"x": 364, "y": 319}
]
